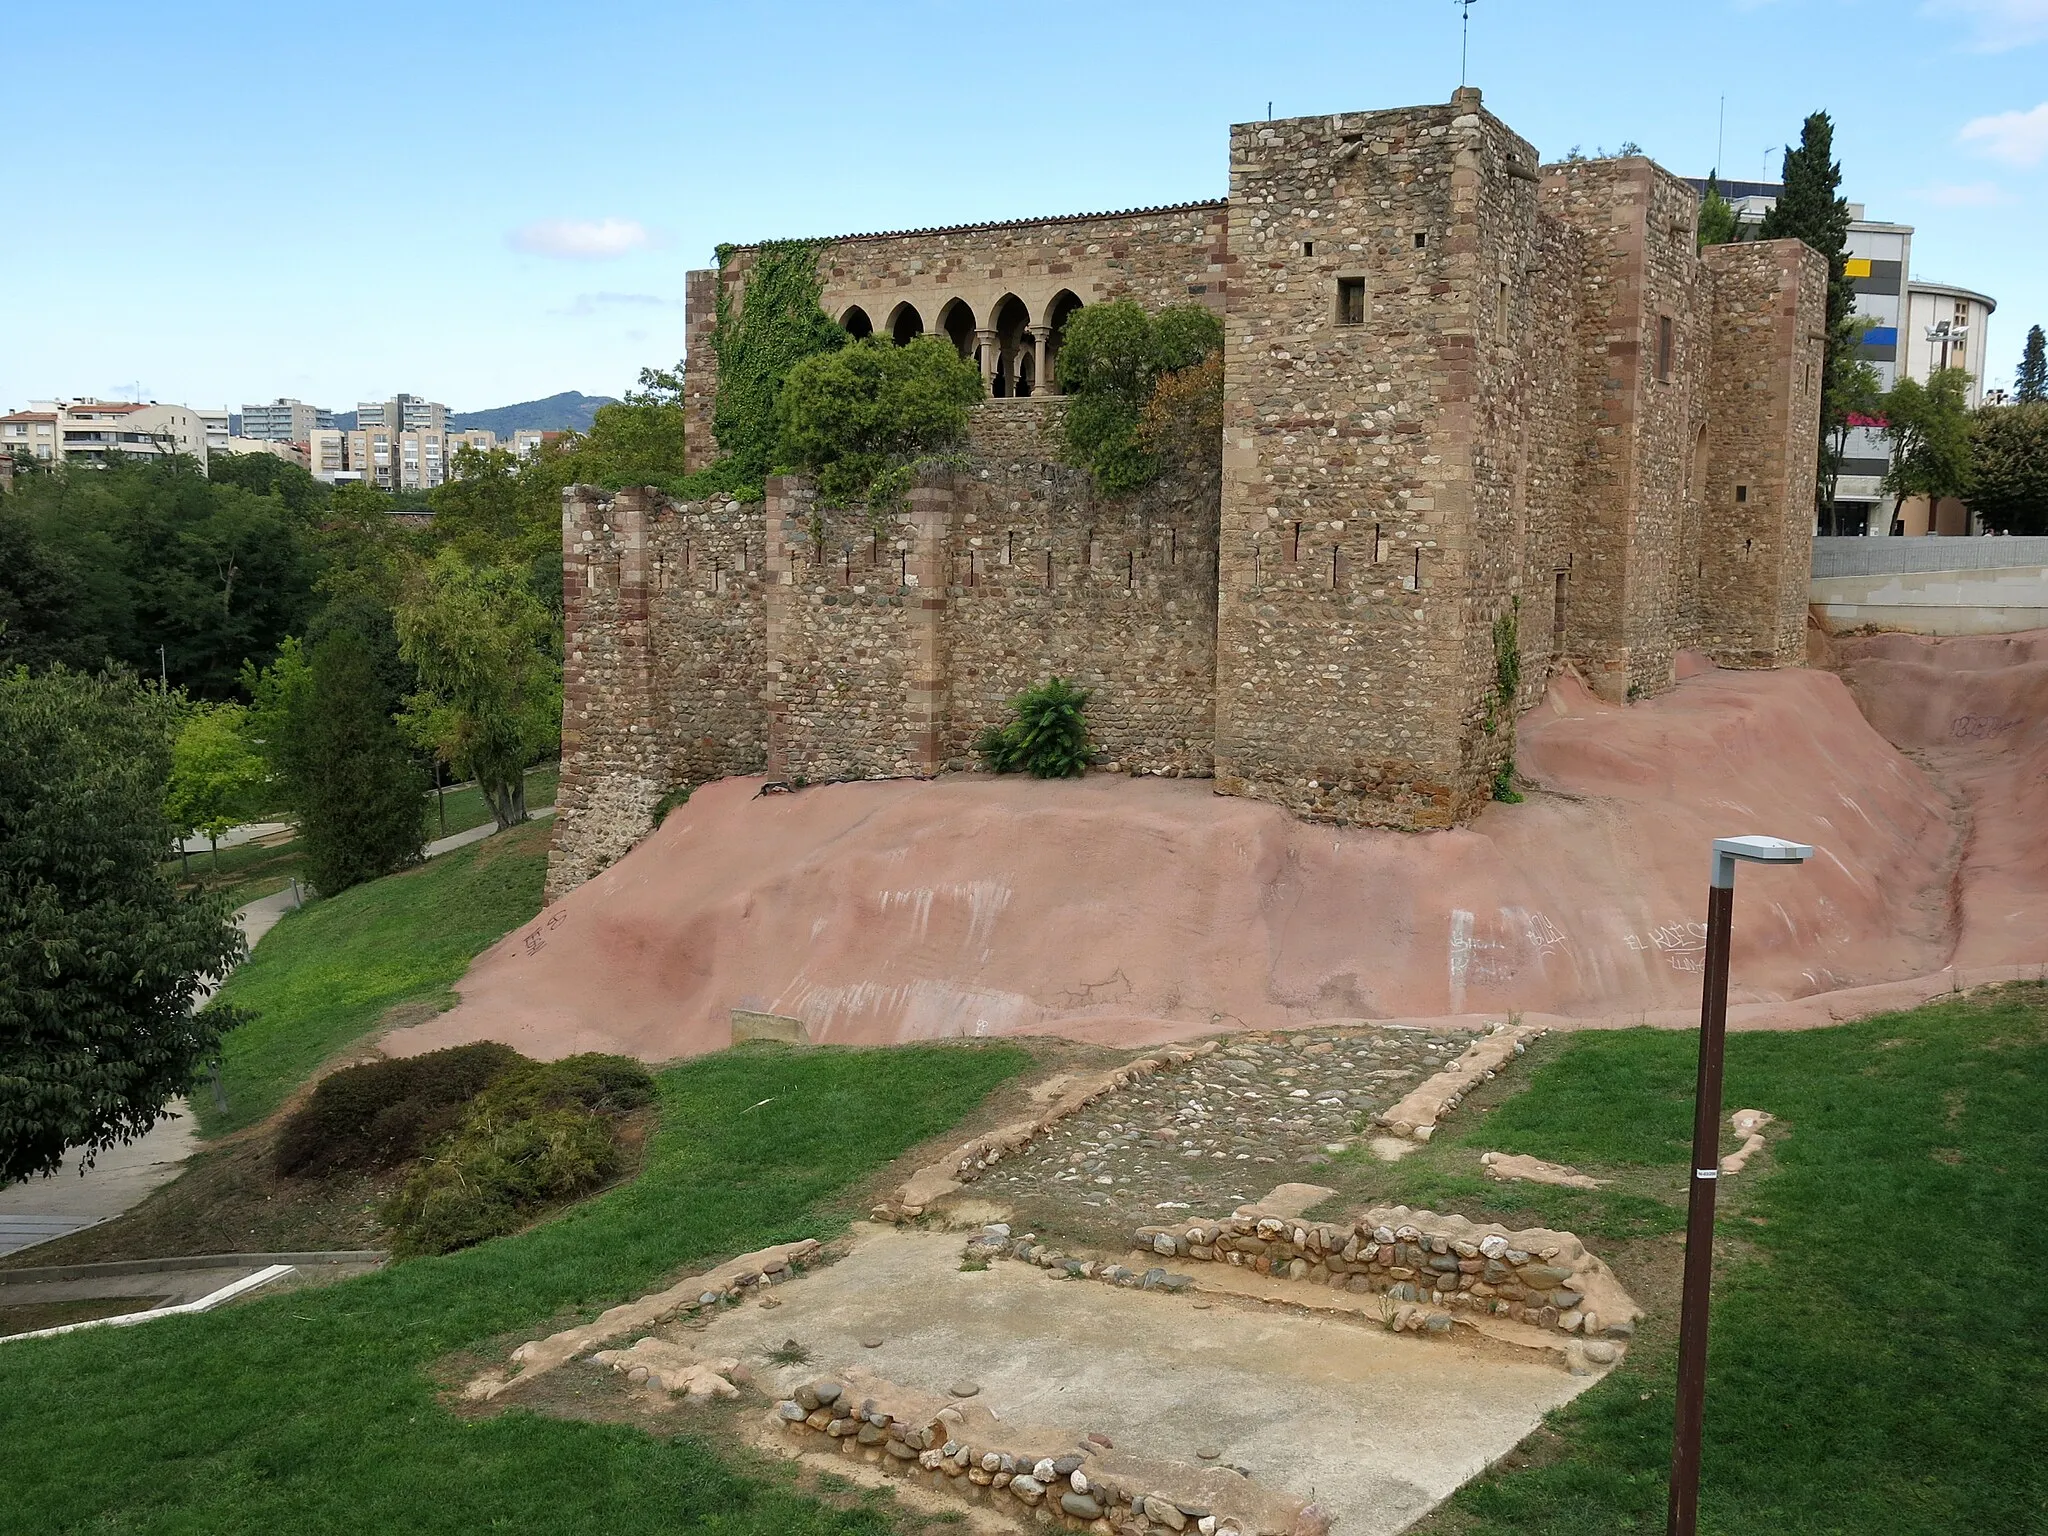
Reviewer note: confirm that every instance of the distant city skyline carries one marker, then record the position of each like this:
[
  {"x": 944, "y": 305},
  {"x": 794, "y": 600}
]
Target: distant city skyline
[{"x": 541, "y": 245}]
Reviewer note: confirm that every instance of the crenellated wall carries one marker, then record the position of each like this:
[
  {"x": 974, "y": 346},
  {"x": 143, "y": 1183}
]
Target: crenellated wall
[{"x": 1462, "y": 392}]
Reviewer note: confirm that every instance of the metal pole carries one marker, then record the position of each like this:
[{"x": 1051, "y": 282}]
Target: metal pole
[
  {"x": 1699, "y": 1220},
  {"x": 1684, "y": 1513}
]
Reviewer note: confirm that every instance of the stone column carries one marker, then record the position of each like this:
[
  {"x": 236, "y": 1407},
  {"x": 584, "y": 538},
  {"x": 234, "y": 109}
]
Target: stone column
[
  {"x": 1041, "y": 360},
  {"x": 991, "y": 355}
]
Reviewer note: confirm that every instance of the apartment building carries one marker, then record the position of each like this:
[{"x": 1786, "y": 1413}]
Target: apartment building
[
  {"x": 285, "y": 421},
  {"x": 404, "y": 413},
  {"x": 219, "y": 427},
  {"x": 327, "y": 456},
  {"x": 83, "y": 430}
]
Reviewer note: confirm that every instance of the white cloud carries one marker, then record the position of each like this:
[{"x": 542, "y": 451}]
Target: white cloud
[
  {"x": 1997, "y": 25},
  {"x": 581, "y": 239},
  {"x": 586, "y": 305},
  {"x": 2017, "y": 138},
  {"x": 1975, "y": 194}
]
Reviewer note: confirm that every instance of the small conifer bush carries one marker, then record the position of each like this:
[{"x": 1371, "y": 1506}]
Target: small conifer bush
[{"x": 1048, "y": 738}]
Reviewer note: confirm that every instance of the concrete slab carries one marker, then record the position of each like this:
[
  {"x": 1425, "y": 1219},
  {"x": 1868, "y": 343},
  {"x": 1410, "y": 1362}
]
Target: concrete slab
[{"x": 1377, "y": 1428}]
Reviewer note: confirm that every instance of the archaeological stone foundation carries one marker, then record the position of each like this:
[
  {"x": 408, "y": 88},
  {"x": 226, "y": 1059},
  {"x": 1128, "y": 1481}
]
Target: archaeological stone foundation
[{"x": 1461, "y": 387}]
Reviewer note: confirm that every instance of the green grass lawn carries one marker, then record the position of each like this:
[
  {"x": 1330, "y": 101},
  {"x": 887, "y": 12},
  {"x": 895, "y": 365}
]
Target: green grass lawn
[
  {"x": 466, "y": 806},
  {"x": 313, "y": 1411},
  {"x": 325, "y": 975},
  {"x": 1880, "y": 1333}
]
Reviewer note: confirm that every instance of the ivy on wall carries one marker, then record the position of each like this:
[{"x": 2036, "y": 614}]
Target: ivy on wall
[
  {"x": 1500, "y": 704},
  {"x": 777, "y": 325}
]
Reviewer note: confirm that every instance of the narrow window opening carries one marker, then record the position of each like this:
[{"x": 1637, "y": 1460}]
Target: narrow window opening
[
  {"x": 1500, "y": 312},
  {"x": 1172, "y": 546},
  {"x": 1421, "y": 239},
  {"x": 1297, "y": 542},
  {"x": 1010, "y": 553},
  {"x": 1131, "y": 569},
  {"x": 1351, "y": 301},
  {"x": 1308, "y": 247},
  {"x": 1048, "y": 570},
  {"x": 1335, "y": 553},
  {"x": 1665, "y": 348},
  {"x": 1742, "y": 493}
]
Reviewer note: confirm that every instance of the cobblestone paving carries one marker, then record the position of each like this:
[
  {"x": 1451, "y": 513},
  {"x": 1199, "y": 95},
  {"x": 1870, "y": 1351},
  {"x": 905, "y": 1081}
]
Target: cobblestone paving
[{"x": 1262, "y": 1110}]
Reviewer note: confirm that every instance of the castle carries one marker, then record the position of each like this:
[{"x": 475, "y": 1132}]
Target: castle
[{"x": 1484, "y": 419}]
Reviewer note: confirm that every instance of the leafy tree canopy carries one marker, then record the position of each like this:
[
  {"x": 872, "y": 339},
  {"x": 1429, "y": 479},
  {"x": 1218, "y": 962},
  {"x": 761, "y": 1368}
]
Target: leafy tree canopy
[
  {"x": 101, "y": 960},
  {"x": 776, "y": 325},
  {"x": 490, "y": 696},
  {"x": 860, "y": 416},
  {"x": 214, "y": 770},
  {"x": 1929, "y": 428},
  {"x": 1111, "y": 360},
  {"x": 2009, "y": 467}
]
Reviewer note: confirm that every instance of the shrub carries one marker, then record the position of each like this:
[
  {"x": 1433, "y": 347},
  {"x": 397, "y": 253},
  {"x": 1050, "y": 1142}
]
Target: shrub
[
  {"x": 387, "y": 1112},
  {"x": 1048, "y": 739},
  {"x": 861, "y": 417},
  {"x": 1111, "y": 361},
  {"x": 541, "y": 1134}
]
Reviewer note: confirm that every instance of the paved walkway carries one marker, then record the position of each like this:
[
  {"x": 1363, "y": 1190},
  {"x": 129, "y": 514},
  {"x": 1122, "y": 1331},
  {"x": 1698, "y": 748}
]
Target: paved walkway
[
  {"x": 454, "y": 840},
  {"x": 234, "y": 837}
]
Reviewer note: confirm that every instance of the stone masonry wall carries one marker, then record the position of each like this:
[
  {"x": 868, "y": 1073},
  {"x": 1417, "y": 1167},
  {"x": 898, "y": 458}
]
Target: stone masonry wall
[
  {"x": 664, "y": 645},
  {"x": 1368, "y": 492},
  {"x": 1541, "y": 402},
  {"x": 1769, "y": 317}
]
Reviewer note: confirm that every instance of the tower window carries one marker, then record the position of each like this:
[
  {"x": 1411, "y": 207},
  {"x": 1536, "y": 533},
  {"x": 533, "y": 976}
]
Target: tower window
[
  {"x": 1742, "y": 493},
  {"x": 1308, "y": 247},
  {"x": 1420, "y": 239},
  {"x": 1351, "y": 301},
  {"x": 1665, "y": 347}
]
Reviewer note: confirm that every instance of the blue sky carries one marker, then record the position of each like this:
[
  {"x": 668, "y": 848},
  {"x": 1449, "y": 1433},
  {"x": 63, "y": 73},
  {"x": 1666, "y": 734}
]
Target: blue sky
[{"x": 485, "y": 202}]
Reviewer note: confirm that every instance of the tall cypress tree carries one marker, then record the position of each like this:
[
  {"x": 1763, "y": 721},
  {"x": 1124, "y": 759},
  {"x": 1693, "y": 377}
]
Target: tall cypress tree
[
  {"x": 1811, "y": 208},
  {"x": 2030, "y": 385},
  {"x": 363, "y": 809}
]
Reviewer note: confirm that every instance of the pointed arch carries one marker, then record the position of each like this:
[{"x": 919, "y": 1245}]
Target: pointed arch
[
  {"x": 1011, "y": 321},
  {"x": 1062, "y": 308},
  {"x": 905, "y": 324},
  {"x": 855, "y": 323},
  {"x": 956, "y": 320}
]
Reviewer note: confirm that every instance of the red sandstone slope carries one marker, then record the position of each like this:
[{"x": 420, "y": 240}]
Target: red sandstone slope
[
  {"x": 1974, "y": 709},
  {"x": 896, "y": 910}
]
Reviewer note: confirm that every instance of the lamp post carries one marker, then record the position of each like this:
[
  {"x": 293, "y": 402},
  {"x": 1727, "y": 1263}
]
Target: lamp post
[{"x": 1706, "y": 1170}]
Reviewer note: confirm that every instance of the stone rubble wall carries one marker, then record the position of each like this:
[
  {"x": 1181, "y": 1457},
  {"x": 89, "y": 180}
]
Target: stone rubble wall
[
  {"x": 1436, "y": 1264},
  {"x": 730, "y": 1282},
  {"x": 1418, "y": 1112},
  {"x": 1050, "y": 1475}
]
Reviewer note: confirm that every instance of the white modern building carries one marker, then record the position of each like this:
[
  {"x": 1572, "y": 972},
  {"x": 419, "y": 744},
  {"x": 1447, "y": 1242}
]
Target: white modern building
[{"x": 219, "y": 427}]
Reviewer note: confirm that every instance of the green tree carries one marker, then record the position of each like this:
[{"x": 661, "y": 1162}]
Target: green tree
[
  {"x": 490, "y": 695},
  {"x": 1110, "y": 361},
  {"x": 361, "y": 795},
  {"x": 268, "y": 475},
  {"x": 1811, "y": 208},
  {"x": 859, "y": 417},
  {"x": 101, "y": 959},
  {"x": 1718, "y": 224},
  {"x": 2009, "y": 467},
  {"x": 44, "y": 615},
  {"x": 1929, "y": 428},
  {"x": 279, "y": 705},
  {"x": 2030, "y": 384},
  {"x": 213, "y": 772}
]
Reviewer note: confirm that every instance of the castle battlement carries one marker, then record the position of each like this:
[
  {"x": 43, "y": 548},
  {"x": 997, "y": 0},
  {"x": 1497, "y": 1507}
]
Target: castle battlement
[{"x": 1467, "y": 397}]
